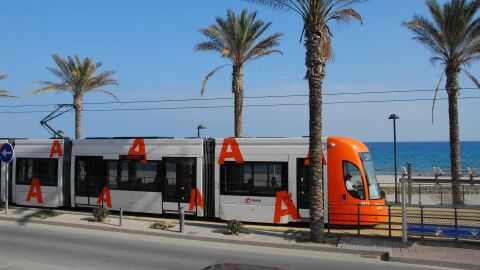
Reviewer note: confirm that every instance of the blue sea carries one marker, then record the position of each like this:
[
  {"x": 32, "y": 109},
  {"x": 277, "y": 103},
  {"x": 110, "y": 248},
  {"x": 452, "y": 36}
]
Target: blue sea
[{"x": 423, "y": 156}]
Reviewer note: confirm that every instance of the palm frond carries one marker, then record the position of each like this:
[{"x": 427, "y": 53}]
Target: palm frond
[
  {"x": 209, "y": 75},
  {"x": 238, "y": 37},
  {"x": 6, "y": 93},
  {"x": 346, "y": 16},
  {"x": 76, "y": 76},
  {"x": 472, "y": 78},
  {"x": 105, "y": 92}
]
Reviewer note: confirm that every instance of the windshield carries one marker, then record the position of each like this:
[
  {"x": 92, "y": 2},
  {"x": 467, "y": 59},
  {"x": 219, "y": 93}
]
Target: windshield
[{"x": 373, "y": 188}]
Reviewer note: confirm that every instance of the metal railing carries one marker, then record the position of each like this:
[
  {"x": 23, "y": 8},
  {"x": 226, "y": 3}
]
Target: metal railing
[
  {"x": 422, "y": 221},
  {"x": 424, "y": 193}
]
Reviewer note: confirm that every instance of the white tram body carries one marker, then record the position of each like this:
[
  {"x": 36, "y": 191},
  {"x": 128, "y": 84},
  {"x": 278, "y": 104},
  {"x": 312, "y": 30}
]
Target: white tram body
[
  {"x": 247, "y": 190},
  {"x": 263, "y": 180},
  {"x": 41, "y": 160},
  {"x": 160, "y": 180}
]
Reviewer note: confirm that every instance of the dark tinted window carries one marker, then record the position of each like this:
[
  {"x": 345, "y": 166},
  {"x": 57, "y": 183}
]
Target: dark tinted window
[
  {"x": 118, "y": 175},
  {"x": 253, "y": 178},
  {"x": 146, "y": 176},
  {"x": 45, "y": 169},
  {"x": 179, "y": 179},
  {"x": 303, "y": 184},
  {"x": 134, "y": 175},
  {"x": 90, "y": 176}
]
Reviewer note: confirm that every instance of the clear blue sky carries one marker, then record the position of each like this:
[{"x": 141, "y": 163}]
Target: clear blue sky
[{"x": 150, "y": 45}]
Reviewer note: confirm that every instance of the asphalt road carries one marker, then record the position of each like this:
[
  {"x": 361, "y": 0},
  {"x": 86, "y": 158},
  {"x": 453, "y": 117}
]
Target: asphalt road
[{"x": 36, "y": 246}]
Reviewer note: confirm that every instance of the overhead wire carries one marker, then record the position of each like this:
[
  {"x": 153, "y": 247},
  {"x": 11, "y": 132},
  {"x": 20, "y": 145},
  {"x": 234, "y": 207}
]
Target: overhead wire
[
  {"x": 247, "y": 105},
  {"x": 231, "y": 98}
]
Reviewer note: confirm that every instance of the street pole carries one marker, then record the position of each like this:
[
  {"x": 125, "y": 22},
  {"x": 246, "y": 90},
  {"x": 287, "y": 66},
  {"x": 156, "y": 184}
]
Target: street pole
[
  {"x": 395, "y": 156},
  {"x": 404, "y": 204},
  {"x": 394, "y": 117},
  {"x": 6, "y": 189},
  {"x": 198, "y": 129}
]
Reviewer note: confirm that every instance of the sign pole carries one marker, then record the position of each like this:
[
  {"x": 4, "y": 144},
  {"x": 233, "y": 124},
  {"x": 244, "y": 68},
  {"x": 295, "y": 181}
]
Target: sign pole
[
  {"x": 6, "y": 156},
  {"x": 6, "y": 189}
]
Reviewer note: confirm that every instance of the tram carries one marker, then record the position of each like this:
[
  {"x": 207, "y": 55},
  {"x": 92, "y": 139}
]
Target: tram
[{"x": 263, "y": 180}]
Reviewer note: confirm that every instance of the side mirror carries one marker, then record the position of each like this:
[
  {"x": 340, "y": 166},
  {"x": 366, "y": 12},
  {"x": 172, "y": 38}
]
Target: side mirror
[{"x": 382, "y": 193}]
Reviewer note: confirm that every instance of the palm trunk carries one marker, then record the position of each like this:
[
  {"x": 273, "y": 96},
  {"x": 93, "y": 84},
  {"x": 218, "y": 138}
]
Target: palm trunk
[
  {"x": 316, "y": 64},
  {"x": 455, "y": 162},
  {"x": 78, "y": 103},
  {"x": 237, "y": 89}
]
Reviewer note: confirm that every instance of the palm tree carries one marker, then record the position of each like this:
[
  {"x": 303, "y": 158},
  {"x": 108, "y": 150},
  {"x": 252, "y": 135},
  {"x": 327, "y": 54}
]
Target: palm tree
[
  {"x": 454, "y": 39},
  {"x": 317, "y": 16},
  {"x": 238, "y": 38},
  {"x": 3, "y": 92},
  {"x": 78, "y": 77}
]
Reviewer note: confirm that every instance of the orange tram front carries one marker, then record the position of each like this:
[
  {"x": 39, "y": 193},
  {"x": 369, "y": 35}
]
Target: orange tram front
[{"x": 353, "y": 192}]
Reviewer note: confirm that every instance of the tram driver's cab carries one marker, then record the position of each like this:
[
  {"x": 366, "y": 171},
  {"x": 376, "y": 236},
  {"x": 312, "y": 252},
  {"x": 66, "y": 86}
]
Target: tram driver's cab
[{"x": 354, "y": 193}]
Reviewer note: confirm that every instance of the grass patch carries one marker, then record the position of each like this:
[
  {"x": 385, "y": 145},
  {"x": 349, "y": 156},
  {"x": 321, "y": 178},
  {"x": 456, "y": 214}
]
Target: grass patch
[
  {"x": 235, "y": 227},
  {"x": 46, "y": 213},
  {"x": 162, "y": 225}
]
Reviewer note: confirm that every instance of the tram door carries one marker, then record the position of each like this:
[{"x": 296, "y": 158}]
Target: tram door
[
  {"x": 89, "y": 178},
  {"x": 179, "y": 181},
  {"x": 303, "y": 187}
]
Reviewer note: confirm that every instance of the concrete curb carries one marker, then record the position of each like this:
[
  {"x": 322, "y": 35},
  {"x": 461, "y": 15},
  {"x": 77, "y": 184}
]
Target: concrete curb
[
  {"x": 364, "y": 253},
  {"x": 435, "y": 263}
]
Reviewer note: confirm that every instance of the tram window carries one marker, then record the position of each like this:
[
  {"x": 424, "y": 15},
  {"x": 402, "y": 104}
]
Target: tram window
[
  {"x": 146, "y": 176},
  {"x": 253, "y": 178},
  {"x": 353, "y": 180},
  {"x": 45, "y": 169},
  {"x": 260, "y": 178},
  {"x": 373, "y": 187},
  {"x": 81, "y": 181},
  {"x": 239, "y": 178},
  {"x": 118, "y": 175}
]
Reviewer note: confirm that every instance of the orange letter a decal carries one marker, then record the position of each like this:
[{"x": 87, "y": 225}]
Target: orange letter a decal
[
  {"x": 307, "y": 160},
  {"x": 282, "y": 197},
  {"x": 105, "y": 197},
  {"x": 56, "y": 149},
  {"x": 235, "y": 153},
  {"x": 195, "y": 200},
  {"x": 138, "y": 149},
  {"x": 35, "y": 191}
]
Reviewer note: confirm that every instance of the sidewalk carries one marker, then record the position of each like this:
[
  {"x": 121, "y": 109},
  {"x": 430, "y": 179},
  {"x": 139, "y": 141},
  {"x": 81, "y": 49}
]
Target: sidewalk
[{"x": 436, "y": 253}]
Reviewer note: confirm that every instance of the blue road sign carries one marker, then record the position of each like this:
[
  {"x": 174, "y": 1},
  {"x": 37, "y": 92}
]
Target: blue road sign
[{"x": 6, "y": 153}]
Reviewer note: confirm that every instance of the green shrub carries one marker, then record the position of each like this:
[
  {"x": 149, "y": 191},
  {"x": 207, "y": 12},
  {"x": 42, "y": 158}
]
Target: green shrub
[
  {"x": 162, "y": 225},
  {"x": 99, "y": 214},
  {"x": 46, "y": 213},
  {"x": 235, "y": 226}
]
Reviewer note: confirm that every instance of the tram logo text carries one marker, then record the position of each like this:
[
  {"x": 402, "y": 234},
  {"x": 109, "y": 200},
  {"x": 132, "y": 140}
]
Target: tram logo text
[{"x": 252, "y": 200}]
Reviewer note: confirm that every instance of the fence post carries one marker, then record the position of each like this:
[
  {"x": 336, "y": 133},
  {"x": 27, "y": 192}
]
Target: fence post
[
  {"x": 421, "y": 218},
  {"x": 419, "y": 193},
  {"x": 358, "y": 219},
  {"x": 410, "y": 188},
  {"x": 456, "y": 221},
  {"x": 441, "y": 195},
  {"x": 389, "y": 222}
]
